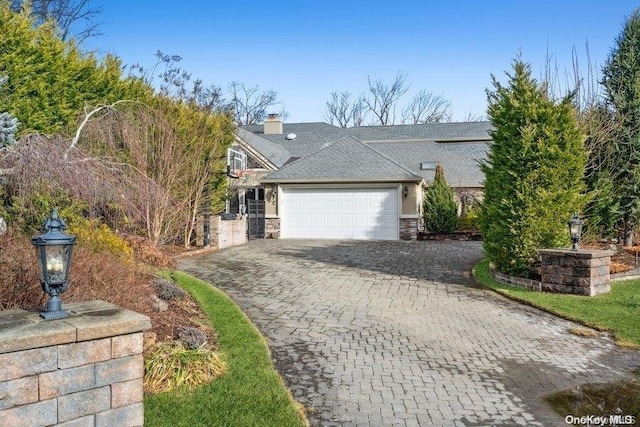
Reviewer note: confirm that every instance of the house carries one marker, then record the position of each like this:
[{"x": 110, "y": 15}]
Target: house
[{"x": 321, "y": 181}]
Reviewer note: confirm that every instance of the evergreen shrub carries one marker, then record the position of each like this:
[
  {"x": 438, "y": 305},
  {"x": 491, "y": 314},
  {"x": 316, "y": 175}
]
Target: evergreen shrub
[{"x": 440, "y": 211}]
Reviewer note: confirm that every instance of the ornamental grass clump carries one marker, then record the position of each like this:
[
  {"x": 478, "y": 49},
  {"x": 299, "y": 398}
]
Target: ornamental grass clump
[{"x": 171, "y": 366}]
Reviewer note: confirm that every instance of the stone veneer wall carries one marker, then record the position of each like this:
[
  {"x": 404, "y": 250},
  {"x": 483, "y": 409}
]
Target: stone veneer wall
[
  {"x": 409, "y": 228},
  {"x": 223, "y": 233},
  {"x": 85, "y": 370},
  {"x": 272, "y": 228},
  {"x": 582, "y": 272}
]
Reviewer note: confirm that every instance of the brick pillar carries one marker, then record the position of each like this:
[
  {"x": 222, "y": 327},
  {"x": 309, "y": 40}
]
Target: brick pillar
[
  {"x": 84, "y": 370},
  {"x": 580, "y": 272}
]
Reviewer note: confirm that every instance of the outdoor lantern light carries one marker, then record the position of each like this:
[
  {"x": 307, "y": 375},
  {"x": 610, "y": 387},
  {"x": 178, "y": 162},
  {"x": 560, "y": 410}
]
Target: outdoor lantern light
[
  {"x": 53, "y": 251},
  {"x": 575, "y": 230},
  {"x": 405, "y": 191}
]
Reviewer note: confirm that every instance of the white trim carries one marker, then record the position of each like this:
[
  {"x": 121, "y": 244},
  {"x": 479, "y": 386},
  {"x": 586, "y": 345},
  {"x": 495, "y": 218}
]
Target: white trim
[
  {"x": 323, "y": 181},
  {"x": 342, "y": 185},
  {"x": 409, "y": 216}
]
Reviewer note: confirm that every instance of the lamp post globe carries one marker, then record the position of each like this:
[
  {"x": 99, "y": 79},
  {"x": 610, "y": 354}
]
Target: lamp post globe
[
  {"x": 575, "y": 230},
  {"x": 53, "y": 251}
]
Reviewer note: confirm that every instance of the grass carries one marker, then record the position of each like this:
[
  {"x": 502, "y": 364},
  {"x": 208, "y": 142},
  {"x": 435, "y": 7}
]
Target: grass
[
  {"x": 250, "y": 393},
  {"x": 617, "y": 312}
]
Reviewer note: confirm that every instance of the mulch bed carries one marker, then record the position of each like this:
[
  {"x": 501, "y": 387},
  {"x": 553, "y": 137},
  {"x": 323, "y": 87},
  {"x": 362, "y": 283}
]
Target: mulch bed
[
  {"x": 623, "y": 259},
  {"x": 456, "y": 235}
]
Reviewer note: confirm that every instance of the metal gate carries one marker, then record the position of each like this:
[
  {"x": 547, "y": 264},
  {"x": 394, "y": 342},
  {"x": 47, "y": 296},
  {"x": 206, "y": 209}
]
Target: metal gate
[{"x": 255, "y": 219}]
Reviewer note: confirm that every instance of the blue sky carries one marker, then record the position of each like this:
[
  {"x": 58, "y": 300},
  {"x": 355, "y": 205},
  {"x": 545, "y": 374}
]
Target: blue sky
[{"x": 306, "y": 49}]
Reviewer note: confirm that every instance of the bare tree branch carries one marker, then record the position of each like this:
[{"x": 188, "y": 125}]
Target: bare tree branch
[
  {"x": 340, "y": 110},
  {"x": 250, "y": 104},
  {"x": 383, "y": 97},
  {"x": 470, "y": 116},
  {"x": 426, "y": 107},
  {"x": 88, "y": 115}
]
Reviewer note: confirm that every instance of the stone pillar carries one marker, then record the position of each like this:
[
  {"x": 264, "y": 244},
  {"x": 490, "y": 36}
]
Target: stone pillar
[
  {"x": 85, "y": 370},
  {"x": 582, "y": 272},
  {"x": 409, "y": 228},
  {"x": 272, "y": 228}
]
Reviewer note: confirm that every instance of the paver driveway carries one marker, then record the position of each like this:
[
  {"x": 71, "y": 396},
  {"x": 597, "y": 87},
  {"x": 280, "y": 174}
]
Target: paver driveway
[{"x": 396, "y": 333}]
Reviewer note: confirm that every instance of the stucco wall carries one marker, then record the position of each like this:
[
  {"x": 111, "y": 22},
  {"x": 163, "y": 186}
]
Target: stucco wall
[{"x": 410, "y": 204}]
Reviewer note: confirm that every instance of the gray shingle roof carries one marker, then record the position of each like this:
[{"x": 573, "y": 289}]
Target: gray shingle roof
[
  {"x": 345, "y": 160},
  {"x": 304, "y": 144},
  {"x": 276, "y": 153},
  {"x": 433, "y": 131},
  {"x": 321, "y": 128},
  {"x": 402, "y": 145},
  {"x": 459, "y": 160}
]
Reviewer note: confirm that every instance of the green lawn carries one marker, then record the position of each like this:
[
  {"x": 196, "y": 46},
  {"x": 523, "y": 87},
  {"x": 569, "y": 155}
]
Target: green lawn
[
  {"x": 617, "y": 312},
  {"x": 251, "y": 393}
]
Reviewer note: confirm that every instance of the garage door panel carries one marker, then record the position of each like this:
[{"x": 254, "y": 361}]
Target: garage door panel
[
  {"x": 332, "y": 205},
  {"x": 361, "y": 219},
  {"x": 346, "y": 220},
  {"x": 317, "y": 205},
  {"x": 318, "y": 218},
  {"x": 332, "y": 219},
  {"x": 343, "y": 213},
  {"x": 346, "y": 205}
]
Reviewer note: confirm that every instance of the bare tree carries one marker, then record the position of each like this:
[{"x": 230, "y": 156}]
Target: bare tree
[
  {"x": 359, "y": 111},
  {"x": 175, "y": 82},
  {"x": 167, "y": 168},
  {"x": 342, "y": 111},
  {"x": 73, "y": 18},
  {"x": 250, "y": 104},
  {"x": 470, "y": 116},
  {"x": 426, "y": 107},
  {"x": 383, "y": 97}
]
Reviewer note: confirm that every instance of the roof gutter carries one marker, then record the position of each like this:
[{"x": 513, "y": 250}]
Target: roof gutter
[{"x": 338, "y": 180}]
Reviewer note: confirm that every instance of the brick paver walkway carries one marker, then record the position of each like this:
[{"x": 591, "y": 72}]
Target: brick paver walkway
[{"x": 396, "y": 333}]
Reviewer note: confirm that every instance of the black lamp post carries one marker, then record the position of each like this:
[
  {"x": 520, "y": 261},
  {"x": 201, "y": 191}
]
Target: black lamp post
[
  {"x": 575, "y": 230},
  {"x": 53, "y": 250}
]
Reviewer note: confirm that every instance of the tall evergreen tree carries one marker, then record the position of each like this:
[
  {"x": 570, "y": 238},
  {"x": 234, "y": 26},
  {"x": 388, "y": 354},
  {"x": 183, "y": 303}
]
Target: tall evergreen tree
[
  {"x": 621, "y": 80},
  {"x": 50, "y": 81},
  {"x": 533, "y": 172}
]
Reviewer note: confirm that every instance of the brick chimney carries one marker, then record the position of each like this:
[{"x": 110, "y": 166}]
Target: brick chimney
[{"x": 273, "y": 125}]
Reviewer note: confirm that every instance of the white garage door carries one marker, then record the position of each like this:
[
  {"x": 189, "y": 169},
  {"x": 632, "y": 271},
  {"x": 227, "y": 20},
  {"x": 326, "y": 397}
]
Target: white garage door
[{"x": 339, "y": 213}]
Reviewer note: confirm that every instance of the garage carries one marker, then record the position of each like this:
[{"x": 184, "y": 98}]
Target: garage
[{"x": 339, "y": 213}]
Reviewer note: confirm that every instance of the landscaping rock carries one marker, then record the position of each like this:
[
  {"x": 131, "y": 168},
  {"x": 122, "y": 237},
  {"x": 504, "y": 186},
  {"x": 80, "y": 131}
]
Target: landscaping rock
[{"x": 158, "y": 304}]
